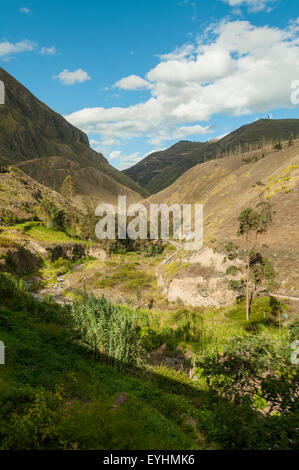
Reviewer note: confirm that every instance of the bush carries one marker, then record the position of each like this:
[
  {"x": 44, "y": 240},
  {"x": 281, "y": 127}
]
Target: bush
[
  {"x": 232, "y": 270},
  {"x": 35, "y": 426},
  {"x": 254, "y": 367},
  {"x": 55, "y": 217},
  {"x": 151, "y": 339}
]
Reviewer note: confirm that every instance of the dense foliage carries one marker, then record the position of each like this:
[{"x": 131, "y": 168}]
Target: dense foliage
[
  {"x": 254, "y": 367},
  {"x": 55, "y": 395}
]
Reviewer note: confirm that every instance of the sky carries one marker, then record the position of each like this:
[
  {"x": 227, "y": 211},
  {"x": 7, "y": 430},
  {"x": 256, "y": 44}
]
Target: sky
[{"x": 139, "y": 75}]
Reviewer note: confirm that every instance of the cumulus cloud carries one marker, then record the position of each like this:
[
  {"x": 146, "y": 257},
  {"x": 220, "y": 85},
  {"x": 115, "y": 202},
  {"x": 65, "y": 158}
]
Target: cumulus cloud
[
  {"x": 133, "y": 82},
  {"x": 7, "y": 48},
  {"x": 70, "y": 78},
  {"x": 253, "y": 5},
  {"x": 184, "y": 131},
  {"x": 25, "y": 10},
  {"x": 236, "y": 68},
  {"x": 125, "y": 161},
  {"x": 115, "y": 154},
  {"x": 48, "y": 50}
]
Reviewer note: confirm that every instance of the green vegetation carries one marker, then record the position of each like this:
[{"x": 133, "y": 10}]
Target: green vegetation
[
  {"x": 257, "y": 371},
  {"x": 42, "y": 233},
  {"x": 55, "y": 393},
  {"x": 7, "y": 217},
  {"x": 148, "y": 247},
  {"x": 128, "y": 274},
  {"x": 252, "y": 224},
  {"x": 56, "y": 217},
  {"x": 278, "y": 146},
  {"x": 108, "y": 330},
  {"x": 68, "y": 188}
]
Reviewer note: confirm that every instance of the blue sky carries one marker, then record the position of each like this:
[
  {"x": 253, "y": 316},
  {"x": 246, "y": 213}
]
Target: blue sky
[{"x": 138, "y": 76}]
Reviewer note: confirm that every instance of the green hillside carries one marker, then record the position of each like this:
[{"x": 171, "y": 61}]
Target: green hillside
[{"x": 56, "y": 394}]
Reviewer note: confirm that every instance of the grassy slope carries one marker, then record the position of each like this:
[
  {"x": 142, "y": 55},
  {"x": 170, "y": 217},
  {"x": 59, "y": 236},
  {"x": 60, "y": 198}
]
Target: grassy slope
[
  {"x": 54, "y": 395},
  {"x": 160, "y": 169},
  {"x": 90, "y": 183},
  {"x": 21, "y": 195},
  {"x": 227, "y": 186}
]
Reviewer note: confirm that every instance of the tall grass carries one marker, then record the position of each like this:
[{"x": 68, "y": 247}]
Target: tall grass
[{"x": 110, "y": 331}]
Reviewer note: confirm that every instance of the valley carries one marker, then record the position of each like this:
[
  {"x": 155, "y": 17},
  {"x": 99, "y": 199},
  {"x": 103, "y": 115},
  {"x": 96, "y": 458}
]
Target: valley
[{"x": 141, "y": 344}]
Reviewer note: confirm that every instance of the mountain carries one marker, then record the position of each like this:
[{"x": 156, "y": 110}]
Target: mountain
[
  {"x": 31, "y": 132},
  {"x": 160, "y": 169},
  {"x": 156, "y": 165},
  {"x": 227, "y": 186}
]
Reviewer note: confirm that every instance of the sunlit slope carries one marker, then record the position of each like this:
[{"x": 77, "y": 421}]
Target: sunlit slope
[
  {"x": 89, "y": 183},
  {"x": 159, "y": 170},
  {"x": 226, "y": 186}
]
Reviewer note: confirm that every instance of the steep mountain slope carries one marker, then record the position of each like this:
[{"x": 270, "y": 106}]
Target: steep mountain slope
[
  {"x": 226, "y": 186},
  {"x": 30, "y": 130},
  {"x": 21, "y": 197},
  {"x": 160, "y": 169},
  {"x": 90, "y": 184},
  {"x": 148, "y": 171}
]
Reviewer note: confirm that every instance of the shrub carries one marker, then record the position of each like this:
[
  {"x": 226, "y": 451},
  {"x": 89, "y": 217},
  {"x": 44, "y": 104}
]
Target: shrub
[
  {"x": 232, "y": 270},
  {"x": 255, "y": 366},
  {"x": 35, "y": 427},
  {"x": 55, "y": 217}
]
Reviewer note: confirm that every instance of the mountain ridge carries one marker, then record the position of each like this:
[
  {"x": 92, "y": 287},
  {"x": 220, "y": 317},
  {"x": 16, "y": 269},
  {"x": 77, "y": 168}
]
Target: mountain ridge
[
  {"x": 227, "y": 186},
  {"x": 30, "y": 130},
  {"x": 160, "y": 169}
]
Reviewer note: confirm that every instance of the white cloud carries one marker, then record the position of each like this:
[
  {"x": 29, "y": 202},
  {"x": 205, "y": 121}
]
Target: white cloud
[
  {"x": 109, "y": 142},
  {"x": 180, "y": 133},
  {"x": 7, "y": 48},
  {"x": 179, "y": 53},
  {"x": 184, "y": 131},
  {"x": 115, "y": 154},
  {"x": 236, "y": 69},
  {"x": 104, "y": 145},
  {"x": 25, "y": 10},
  {"x": 133, "y": 82},
  {"x": 70, "y": 78},
  {"x": 48, "y": 50},
  {"x": 253, "y": 5},
  {"x": 125, "y": 161},
  {"x": 95, "y": 144}
]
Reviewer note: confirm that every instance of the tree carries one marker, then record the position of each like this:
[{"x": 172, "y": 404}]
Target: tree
[
  {"x": 277, "y": 311},
  {"x": 55, "y": 216},
  {"x": 252, "y": 370},
  {"x": 291, "y": 139},
  {"x": 253, "y": 224},
  {"x": 87, "y": 222},
  {"x": 68, "y": 188}
]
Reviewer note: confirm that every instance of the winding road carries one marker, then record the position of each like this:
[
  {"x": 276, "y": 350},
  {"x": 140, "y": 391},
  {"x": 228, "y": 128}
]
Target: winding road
[{"x": 171, "y": 258}]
